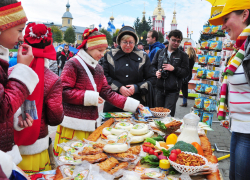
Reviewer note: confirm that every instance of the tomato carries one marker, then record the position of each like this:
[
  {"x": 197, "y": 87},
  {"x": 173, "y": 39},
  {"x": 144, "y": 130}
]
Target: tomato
[
  {"x": 144, "y": 148},
  {"x": 178, "y": 151},
  {"x": 151, "y": 151},
  {"x": 173, "y": 156},
  {"x": 148, "y": 149},
  {"x": 173, "y": 151},
  {"x": 156, "y": 154}
]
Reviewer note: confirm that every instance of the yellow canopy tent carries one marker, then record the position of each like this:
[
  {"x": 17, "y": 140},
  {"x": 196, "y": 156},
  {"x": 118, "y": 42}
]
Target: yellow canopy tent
[{"x": 217, "y": 2}]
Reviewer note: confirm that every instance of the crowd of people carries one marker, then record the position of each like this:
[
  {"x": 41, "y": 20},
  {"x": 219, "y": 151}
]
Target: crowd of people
[{"x": 49, "y": 88}]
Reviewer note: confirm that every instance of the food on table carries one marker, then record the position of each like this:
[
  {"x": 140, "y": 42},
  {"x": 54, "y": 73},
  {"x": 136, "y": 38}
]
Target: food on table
[
  {"x": 198, "y": 147},
  {"x": 152, "y": 160},
  {"x": 68, "y": 171},
  {"x": 90, "y": 151},
  {"x": 124, "y": 125},
  {"x": 58, "y": 175},
  {"x": 106, "y": 131},
  {"x": 163, "y": 144},
  {"x": 127, "y": 156},
  {"x": 97, "y": 133},
  {"x": 122, "y": 165},
  {"x": 139, "y": 129},
  {"x": 183, "y": 146},
  {"x": 98, "y": 145},
  {"x": 136, "y": 139},
  {"x": 92, "y": 158},
  {"x": 117, "y": 131},
  {"x": 77, "y": 144},
  {"x": 158, "y": 138},
  {"x": 152, "y": 141},
  {"x": 122, "y": 138},
  {"x": 115, "y": 148},
  {"x": 160, "y": 109},
  {"x": 135, "y": 150},
  {"x": 171, "y": 139},
  {"x": 108, "y": 164},
  {"x": 148, "y": 135},
  {"x": 189, "y": 160},
  {"x": 82, "y": 175},
  {"x": 111, "y": 137},
  {"x": 65, "y": 158},
  {"x": 110, "y": 142},
  {"x": 69, "y": 149},
  {"x": 173, "y": 156},
  {"x": 174, "y": 124}
]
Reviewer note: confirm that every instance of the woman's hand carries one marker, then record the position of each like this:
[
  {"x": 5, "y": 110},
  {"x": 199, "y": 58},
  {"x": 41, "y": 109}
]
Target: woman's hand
[
  {"x": 141, "y": 107},
  {"x": 125, "y": 91},
  {"x": 25, "y": 57},
  {"x": 25, "y": 123},
  {"x": 100, "y": 100},
  {"x": 131, "y": 89}
]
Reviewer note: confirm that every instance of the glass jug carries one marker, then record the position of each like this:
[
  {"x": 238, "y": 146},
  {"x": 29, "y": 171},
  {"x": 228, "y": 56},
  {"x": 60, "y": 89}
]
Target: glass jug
[{"x": 189, "y": 132}]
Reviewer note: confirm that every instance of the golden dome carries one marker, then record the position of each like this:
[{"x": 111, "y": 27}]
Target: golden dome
[
  {"x": 112, "y": 17},
  {"x": 174, "y": 21},
  {"x": 156, "y": 12}
]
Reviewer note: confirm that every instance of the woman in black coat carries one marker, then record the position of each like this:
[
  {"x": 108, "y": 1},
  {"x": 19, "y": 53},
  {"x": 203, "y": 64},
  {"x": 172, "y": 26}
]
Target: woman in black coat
[
  {"x": 127, "y": 69},
  {"x": 192, "y": 57}
]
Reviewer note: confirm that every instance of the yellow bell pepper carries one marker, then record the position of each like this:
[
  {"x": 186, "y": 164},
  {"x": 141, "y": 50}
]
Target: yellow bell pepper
[{"x": 171, "y": 139}]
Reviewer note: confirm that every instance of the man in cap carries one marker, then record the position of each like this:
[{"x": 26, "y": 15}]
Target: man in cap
[{"x": 140, "y": 46}]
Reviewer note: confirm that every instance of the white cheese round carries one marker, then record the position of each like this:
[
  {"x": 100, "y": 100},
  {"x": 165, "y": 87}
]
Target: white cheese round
[
  {"x": 115, "y": 148},
  {"x": 139, "y": 129},
  {"x": 117, "y": 131},
  {"x": 124, "y": 125},
  {"x": 136, "y": 139},
  {"x": 148, "y": 135},
  {"x": 106, "y": 131},
  {"x": 112, "y": 137}
]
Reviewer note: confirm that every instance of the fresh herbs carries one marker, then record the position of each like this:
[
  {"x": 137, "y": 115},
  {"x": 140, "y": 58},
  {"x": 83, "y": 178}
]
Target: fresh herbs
[{"x": 161, "y": 125}]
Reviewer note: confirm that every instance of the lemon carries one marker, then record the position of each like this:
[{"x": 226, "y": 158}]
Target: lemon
[{"x": 171, "y": 139}]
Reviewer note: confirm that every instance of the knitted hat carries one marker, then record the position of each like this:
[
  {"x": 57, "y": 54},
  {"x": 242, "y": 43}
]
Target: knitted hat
[
  {"x": 12, "y": 15},
  {"x": 93, "y": 42},
  {"x": 127, "y": 30}
]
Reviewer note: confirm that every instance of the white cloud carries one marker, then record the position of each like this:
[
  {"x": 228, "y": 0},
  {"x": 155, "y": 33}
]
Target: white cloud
[{"x": 192, "y": 13}]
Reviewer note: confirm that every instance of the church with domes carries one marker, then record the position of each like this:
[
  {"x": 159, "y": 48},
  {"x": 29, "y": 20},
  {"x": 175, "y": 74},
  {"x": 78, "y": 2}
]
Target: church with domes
[
  {"x": 159, "y": 18},
  {"x": 67, "y": 21}
]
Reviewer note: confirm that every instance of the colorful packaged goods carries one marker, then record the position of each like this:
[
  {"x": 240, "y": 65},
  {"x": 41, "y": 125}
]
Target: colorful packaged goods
[
  {"x": 145, "y": 113},
  {"x": 215, "y": 45},
  {"x": 217, "y": 61},
  {"x": 210, "y": 89},
  {"x": 200, "y": 88},
  {"x": 210, "y": 74},
  {"x": 211, "y": 60},
  {"x": 199, "y": 103},
  {"x": 208, "y": 105},
  {"x": 216, "y": 75},
  {"x": 202, "y": 59},
  {"x": 199, "y": 113},
  {"x": 215, "y": 29},
  {"x": 205, "y": 45},
  {"x": 207, "y": 118},
  {"x": 201, "y": 73},
  {"x": 206, "y": 29}
]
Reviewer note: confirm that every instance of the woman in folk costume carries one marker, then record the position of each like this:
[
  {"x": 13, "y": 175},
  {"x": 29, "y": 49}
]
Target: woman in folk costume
[
  {"x": 235, "y": 89},
  {"x": 84, "y": 85},
  {"x": 16, "y": 87},
  {"x": 33, "y": 141}
]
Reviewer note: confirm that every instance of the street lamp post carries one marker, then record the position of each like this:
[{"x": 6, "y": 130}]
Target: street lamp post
[{"x": 141, "y": 37}]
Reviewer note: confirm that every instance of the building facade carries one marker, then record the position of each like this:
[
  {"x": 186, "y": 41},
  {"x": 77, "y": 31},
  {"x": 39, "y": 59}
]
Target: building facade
[{"x": 159, "y": 18}]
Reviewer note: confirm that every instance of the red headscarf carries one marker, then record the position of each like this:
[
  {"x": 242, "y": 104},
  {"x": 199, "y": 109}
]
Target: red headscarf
[{"x": 40, "y": 38}]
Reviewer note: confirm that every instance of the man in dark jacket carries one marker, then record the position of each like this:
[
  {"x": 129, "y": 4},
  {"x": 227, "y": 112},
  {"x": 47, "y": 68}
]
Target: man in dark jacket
[
  {"x": 170, "y": 66},
  {"x": 154, "y": 44},
  {"x": 63, "y": 57}
]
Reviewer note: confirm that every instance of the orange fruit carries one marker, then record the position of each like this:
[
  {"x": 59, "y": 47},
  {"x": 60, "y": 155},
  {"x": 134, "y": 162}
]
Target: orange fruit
[{"x": 198, "y": 147}]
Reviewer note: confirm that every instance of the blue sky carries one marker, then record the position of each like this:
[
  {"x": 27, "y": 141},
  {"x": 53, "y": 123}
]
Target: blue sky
[{"x": 192, "y": 13}]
